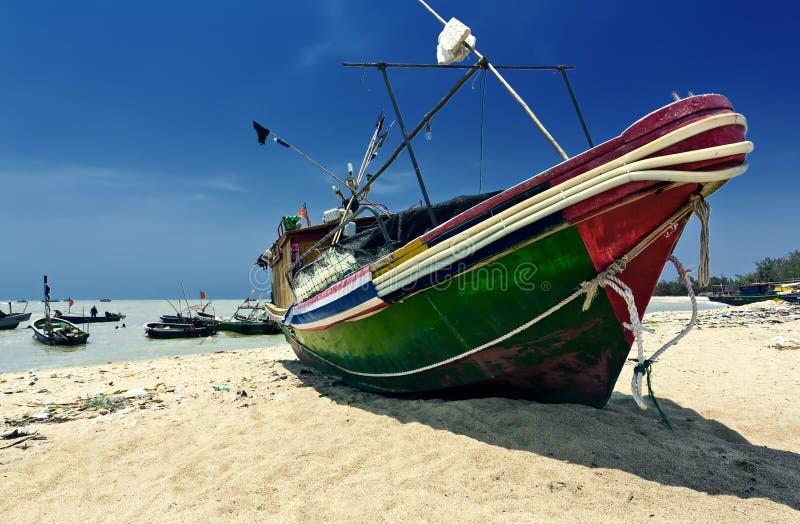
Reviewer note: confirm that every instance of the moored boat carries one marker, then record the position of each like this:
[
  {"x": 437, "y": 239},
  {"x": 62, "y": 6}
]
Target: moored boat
[
  {"x": 793, "y": 298},
  {"x": 11, "y": 320},
  {"x": 250, "y": 318},
  {"x": 167, "y": 330},
  {"x": 744, "y": 294},
  {"x": 83, "y": 319},
  {"x": 534, "y": 292},
  {"x": 250, "y": 327},
  {"x": 56, "y": 331}
]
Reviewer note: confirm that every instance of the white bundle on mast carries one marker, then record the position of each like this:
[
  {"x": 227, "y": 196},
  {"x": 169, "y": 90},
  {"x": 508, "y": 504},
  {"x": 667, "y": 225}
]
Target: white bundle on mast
[{"x": 451, "y": 46}]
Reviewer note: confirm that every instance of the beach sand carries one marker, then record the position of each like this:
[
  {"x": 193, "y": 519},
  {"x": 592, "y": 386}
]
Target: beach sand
[{"x": 257, "y": 436}]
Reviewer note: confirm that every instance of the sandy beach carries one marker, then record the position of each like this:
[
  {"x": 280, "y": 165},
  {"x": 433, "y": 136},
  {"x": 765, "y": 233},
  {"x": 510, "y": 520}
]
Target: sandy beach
[{"x": 257, "y": 436}]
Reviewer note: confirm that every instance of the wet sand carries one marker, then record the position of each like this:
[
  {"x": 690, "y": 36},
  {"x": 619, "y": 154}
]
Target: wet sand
[{"x": 257, "y": 436}]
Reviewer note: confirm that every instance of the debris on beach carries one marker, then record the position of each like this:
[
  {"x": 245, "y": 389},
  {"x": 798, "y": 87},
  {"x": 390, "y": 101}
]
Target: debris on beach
[
  {"x": 19, "y": 436},
  {"x": 784, "y": 343},
  {"x": 761, "y": 313}
]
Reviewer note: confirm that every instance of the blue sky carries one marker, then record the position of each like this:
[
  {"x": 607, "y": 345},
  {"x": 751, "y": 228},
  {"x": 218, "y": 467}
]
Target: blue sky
[{"x": 128, "y": 162}]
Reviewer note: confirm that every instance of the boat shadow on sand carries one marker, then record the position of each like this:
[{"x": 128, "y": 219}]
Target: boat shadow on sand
[{"x": 700, "y": 454}]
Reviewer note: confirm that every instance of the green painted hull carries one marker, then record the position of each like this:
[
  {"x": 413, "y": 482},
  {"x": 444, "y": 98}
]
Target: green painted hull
[
  {"x": 570, "y": 356},
  {"x": 741, "y": 300},
  {"x": 249, "y": 328}
]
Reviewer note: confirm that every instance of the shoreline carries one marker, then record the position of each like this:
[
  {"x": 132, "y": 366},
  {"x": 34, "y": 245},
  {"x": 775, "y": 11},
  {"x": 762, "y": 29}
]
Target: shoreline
[{"x": 256, "y": 435}]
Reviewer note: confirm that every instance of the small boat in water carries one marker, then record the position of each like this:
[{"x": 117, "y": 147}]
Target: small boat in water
[
  {"x": 250, "y": 318},
  {"x": 82, "y": 319},
  {"x": 11, "y": 320},
  {"x": 167, "y": 330},
  {"x": 56, "y": 331}
]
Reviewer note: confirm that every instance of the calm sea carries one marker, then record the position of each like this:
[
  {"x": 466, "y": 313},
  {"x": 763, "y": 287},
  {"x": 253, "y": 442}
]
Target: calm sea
[{"x": 111, "y": 342}]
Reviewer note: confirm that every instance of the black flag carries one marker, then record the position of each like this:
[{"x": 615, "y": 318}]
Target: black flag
[{"x": 262, "y": 131}]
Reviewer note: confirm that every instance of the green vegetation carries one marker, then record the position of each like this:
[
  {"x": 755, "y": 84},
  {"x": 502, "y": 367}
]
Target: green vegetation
[
  {"x": 111, "y": 403},
  {"x": 780, "y": 269}
]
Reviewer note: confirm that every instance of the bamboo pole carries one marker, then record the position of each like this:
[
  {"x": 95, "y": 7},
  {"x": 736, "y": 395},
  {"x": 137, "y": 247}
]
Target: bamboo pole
[{"x": 508, "y": 87}]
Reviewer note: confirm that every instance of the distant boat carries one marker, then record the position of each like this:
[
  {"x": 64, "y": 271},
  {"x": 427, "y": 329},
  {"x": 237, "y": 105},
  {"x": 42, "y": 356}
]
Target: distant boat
[
  {"x": 11, "y": 320},
  {"x": 745, "y": 294},
  {"x": 793, "y": 298},
  {"x": 250, "y": 318},
  {"x": 81, "y": 319},
  {"x": 56, "y": 331},
  {"x": 167, "y": 330},
  {"x": 105, "y": 300}
]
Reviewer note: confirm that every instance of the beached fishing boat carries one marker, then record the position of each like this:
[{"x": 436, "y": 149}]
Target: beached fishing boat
[
  {"x": 744, "y": 294},
  {"x": 56, "y": 331},
  {"x": 536, "y": 291},
  {"x": 11, "y": 320},
  {"x": 166, "y": 330}
]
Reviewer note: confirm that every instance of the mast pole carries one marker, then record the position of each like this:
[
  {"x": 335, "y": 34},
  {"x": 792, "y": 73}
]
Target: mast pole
[
  {"x": 382, "y": 68},
  {"x": 563, "y": 70},
  {"x": 508, "y": 87}
]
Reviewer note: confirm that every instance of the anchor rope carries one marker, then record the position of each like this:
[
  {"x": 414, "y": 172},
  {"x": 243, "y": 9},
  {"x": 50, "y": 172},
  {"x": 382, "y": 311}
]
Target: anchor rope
[
  {"x": 702, "y": 209},
  {"x": 645, "y": 363}
]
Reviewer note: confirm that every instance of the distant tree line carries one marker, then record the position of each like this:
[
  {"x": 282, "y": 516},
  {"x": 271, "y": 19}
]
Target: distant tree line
[{"x": 780, "y": 269}]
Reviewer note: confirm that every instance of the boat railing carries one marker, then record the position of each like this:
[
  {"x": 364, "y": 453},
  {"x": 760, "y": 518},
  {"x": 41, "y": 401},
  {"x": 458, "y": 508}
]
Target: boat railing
[{"x": 334, "y": 262}]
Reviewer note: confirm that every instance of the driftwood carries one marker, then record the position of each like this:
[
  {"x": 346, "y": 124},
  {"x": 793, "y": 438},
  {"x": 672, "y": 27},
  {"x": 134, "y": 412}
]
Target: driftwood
[{"x": 21, "y": 437}]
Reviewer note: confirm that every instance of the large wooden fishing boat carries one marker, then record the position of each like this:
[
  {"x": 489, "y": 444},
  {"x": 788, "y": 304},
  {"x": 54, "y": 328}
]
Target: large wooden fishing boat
[{"x": 531, "y": 292}]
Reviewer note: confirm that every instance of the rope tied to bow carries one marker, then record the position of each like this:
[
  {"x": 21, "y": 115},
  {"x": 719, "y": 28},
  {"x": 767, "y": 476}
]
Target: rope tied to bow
[{"x": 702, "y": 210}]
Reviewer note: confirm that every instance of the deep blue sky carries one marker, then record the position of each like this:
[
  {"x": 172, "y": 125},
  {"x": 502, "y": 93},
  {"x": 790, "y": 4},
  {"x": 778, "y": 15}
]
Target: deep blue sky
[{"x": 128, "y": 162}]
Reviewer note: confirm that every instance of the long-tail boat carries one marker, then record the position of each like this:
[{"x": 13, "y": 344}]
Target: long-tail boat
[{"x": 531, "y": 292}]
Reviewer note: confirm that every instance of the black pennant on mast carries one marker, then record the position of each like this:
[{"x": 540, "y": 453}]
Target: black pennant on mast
[{"x": 262, "y": 131}]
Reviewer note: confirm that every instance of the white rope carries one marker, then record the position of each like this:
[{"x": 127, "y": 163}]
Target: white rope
[
  {"x": 586, "y": 287},
  {"x": 641, "y": 369},
  {"x": 702, "y": 209}
]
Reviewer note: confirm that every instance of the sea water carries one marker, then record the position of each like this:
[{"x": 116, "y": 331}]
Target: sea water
[
  {"x": 111, "y": 342},
  {"x": 126, "y": 340}
]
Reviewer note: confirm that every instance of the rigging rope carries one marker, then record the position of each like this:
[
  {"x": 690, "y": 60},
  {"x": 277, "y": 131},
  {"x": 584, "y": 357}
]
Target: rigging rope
[{"x": 483, "y": 122}]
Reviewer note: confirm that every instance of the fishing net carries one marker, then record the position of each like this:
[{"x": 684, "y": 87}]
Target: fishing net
[{"x": 357, "y": 251}]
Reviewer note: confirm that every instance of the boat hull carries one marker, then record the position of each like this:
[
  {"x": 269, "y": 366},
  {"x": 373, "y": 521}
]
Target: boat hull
[
  {"x": 58, "y": 332},
  {"x": 793, "y": 298},
  {"x": 489, "y": 302},
  {"x": 13, "y": 320},
  {"x": 162, "y": 330},
  {"x": 421, "y": 345},
  {"x": 742, "y": 300},
  {"x": 244, "y": 327},
  {"x": 79, "y": 319}
]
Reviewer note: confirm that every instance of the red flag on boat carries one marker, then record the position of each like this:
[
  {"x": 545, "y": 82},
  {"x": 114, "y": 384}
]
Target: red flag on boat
[
  {"x": 304, "y": 214},
  {"x": 71, "y": 302},
  {"x": 202, "y": 295}
]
